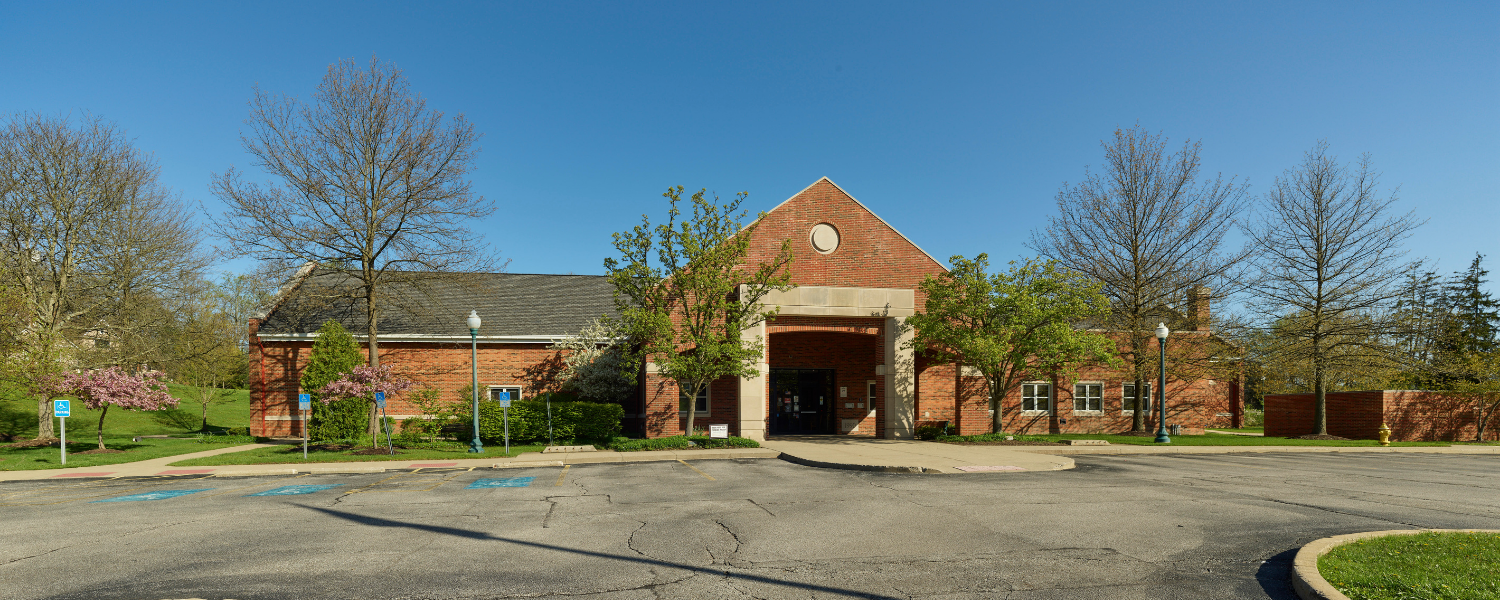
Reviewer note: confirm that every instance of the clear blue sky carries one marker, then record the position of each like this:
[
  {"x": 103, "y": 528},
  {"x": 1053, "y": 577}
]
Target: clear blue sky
[{"x": 956, "y": 122}]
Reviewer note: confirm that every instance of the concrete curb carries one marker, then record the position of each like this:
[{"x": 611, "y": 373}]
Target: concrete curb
[
  {"x": 256, "y": 473},
  {"x": 1310, "y": 584},
  {"x": 526, "y": 464},
  {"x": 853, "y": 467},
  {"x": 1169, "y": 449}
]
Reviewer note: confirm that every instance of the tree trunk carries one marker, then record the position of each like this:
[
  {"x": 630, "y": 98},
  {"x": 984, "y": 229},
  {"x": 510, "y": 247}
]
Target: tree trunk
[
  {"x": 1484, "y": 418},
  {"x": 102, "y": 412},
  {"x": 1320, "y": 401},
  {"x": 204, "y": 427},
  {"x": 997, "y": 421},
  {"x": 44, "y": 429},
  {"x": 692, "y": 407},
  {"x": 371, "y": 331},
  {"x": 1138, "y": 420}
]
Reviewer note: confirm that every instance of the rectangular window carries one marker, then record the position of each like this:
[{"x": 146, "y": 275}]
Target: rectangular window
[
  {"x": 1088, "y": 397},
  {"x": 511, "y": 392},
  {"x": 1128, "y": 403},
  {"x": 1036, "y": 397},
  {"x": 700, "y": 406}
]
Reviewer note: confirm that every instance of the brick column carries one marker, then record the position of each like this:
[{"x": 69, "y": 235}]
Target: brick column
[
  {"x": 900, "y": 381},
  {"x": 752, "y": 395}
]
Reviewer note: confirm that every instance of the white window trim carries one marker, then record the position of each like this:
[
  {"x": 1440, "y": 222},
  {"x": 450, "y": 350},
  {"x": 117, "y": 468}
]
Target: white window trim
[
  {"x": 1051, "y": 398},
  {"x": 489, "y": 392},
  {"x": 708, "y": 402},
  {"x": 1088, "y": 413},
  {"x": 1131, "y": 411}
]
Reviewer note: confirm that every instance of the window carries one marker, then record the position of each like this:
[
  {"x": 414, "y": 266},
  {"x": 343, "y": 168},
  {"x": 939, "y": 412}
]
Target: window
[
  {"x": 1127, "y": 405},
  {"x": 1036, "y": 397},
  {"x": 512, "y": 392},
  {"x": 1088, "y": 397},
  {"x": 700, "y": 406}
]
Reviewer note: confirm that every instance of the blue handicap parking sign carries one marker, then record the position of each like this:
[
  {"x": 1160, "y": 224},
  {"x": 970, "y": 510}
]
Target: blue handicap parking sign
[
  {"x": 480, "y": 484},
  {"x": 62, "y": 408},
  {"x": 304, "y": 401},
  {"x": 379, "y": 399},
  {"x": 158, "y": 495},
  {"x": 295, "y": 490}
]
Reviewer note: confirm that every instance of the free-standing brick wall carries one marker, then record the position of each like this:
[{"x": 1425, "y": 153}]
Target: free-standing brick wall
[{"x": 1413, "y": 415}]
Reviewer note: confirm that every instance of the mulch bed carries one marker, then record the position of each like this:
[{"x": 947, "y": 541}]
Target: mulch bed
[
  {"x": 371, "y": 451},
  {"x": 1319, "y": 436},
  {"x": 98, "y": 451},
  {"x": 1006, "y": 443},
  {"x": 33, "y": 443}
]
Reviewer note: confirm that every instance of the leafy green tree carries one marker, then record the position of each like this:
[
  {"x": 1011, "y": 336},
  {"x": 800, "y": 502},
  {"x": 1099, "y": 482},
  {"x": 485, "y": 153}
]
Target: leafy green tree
[
  {"x": 334, "y": 353},
  {"x": 687, "y": 309},
  {"x": 1011, "y": 326}
]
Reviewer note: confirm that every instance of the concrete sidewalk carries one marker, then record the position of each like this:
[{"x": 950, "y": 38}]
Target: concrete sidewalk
[
  {"x": 910, "y": 456},
  {"x": 161, "y": 466}
]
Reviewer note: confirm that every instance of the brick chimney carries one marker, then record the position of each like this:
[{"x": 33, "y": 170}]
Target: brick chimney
[{"x": 1197, "y": 308}]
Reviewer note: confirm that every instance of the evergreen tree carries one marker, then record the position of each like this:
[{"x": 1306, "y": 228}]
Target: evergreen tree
[
  {"x": 334, "y": 353},
  {"x": 1476, "y": 313}
]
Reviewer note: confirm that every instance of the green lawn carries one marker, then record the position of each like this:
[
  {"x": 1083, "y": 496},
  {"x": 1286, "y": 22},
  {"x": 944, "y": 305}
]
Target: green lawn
[
  {"x": 49, "y": 457},
  {"x": 1428, "y": 565},
  {"x": 18, "y": 422},
  {"x": 293, "y": 455},
  {"x": 1218, "y": 439}
]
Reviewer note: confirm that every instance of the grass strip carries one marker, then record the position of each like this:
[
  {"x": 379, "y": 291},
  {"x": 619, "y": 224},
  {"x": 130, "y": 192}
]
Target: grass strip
[
  {"x": 49, "y": 457},
  {"x": 1438, "y": 566}
]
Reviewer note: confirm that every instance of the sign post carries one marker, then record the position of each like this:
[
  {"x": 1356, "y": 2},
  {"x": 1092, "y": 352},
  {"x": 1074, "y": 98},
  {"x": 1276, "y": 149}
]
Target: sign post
[
  {"x": 63, "y": 409},
  {"x": 505, "y": 416},
  {"x": 304, "y": 406},
  {"x": 380, "y": 404}
]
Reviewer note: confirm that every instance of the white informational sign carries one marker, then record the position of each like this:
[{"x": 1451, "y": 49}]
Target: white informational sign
[
  {"x": 62, "y": 408},
  {"x": 718, "y": 431},
  {"x": 379, "y": 399},
  {"x": 304, "y": 402}
]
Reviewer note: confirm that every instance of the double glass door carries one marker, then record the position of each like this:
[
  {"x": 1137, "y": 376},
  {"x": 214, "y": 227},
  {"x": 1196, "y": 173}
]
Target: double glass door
[{"x": 802, "y": 401}]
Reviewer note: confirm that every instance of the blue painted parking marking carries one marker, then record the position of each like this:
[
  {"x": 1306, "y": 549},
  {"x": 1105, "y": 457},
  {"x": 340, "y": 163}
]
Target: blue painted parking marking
[
  {"x": 295, "y": 490},
  {"x": 506, "y": 482},
  {"x": 157, "y": 495}
]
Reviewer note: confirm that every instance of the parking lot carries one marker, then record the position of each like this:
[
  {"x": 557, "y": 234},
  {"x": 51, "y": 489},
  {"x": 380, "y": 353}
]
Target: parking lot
[{"x": 1156, "y": 526}]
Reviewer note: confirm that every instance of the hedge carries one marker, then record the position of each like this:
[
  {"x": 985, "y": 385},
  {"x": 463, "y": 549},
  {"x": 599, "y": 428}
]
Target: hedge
[
  {"x": 571, "y": 420},
  {"x": 680, "y": 442}
]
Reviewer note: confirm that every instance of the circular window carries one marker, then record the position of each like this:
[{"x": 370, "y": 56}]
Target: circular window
[{"x": 825, "y": 239}]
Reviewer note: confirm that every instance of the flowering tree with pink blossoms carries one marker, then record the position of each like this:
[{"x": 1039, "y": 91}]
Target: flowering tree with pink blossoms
[
  {"x": 363, "y": 382},
  {"x": 98, "y": 390}
]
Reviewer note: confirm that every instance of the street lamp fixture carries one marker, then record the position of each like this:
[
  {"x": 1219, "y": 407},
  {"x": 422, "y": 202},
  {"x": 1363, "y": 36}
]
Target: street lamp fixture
[
  {"x": 475, "y": 446},
  {"x": 1161, "y": 385}
]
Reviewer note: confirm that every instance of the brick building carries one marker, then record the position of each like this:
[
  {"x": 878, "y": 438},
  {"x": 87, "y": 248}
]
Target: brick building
[{"x": 837, "y": 362}]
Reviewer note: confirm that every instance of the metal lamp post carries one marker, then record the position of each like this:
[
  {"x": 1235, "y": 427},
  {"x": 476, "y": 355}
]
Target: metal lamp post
[
  {"x": 1161, "y": 386},
  {"x": 475, "y": 446}
]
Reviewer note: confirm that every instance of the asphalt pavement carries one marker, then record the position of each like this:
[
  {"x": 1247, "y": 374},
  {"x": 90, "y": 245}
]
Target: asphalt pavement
[{"x": 1117, "y": 527}]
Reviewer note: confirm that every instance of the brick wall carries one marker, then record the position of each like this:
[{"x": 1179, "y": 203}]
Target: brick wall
[
  {"x": 1413, "y": 415},
  {"x": 853, "y": 357}
]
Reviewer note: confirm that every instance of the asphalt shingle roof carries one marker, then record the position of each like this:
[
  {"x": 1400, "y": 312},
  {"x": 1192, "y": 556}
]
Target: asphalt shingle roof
[{"x": 437, "y": 304}]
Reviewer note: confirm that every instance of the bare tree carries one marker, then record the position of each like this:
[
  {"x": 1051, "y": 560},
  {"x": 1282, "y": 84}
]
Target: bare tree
[
  {"x": 1153, "y": 234},
  {"x": 82, "y": 221},
  {"x": 1329, "y": 262},
  {"x": 371, "y": 182}
]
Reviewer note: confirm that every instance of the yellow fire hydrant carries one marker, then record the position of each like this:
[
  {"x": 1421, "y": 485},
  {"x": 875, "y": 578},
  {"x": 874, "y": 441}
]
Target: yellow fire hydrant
[{"x": 1385, "y": 434}]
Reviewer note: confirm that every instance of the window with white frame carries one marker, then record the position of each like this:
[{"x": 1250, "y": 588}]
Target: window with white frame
[
  {"x": 507, "y": 392},
  {"x": 701, "y": 406},
  {"x": 1036, "y": 397},
  {"x": 1128, "y": 401},
  {"x": 1088, "y": 397}
]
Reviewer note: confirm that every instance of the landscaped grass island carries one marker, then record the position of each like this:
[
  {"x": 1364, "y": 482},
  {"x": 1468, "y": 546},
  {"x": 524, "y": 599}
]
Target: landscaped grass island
[
  {"x": 1207, "y": 439},
  {"x": 1434, "y": 565}
]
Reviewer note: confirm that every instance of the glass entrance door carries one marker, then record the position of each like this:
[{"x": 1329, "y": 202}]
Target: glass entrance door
[{"x": 801, "y": 401}]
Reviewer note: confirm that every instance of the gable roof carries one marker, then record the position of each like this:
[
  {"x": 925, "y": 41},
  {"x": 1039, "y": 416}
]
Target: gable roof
[
  {"x": 866, "y": 209},
  {"x": 513, "y": 306}
]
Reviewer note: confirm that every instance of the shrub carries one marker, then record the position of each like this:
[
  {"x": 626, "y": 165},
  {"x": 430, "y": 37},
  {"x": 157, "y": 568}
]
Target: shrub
[
  {"x": 1253, "y": 418},
  {"x": 334, "y": 353},
  {"x": 245, "y": 431},
  {"x": 931, "y": 430},
  {"x": 528, "y": 421},
  {"x": 990, "y": 437},
  {"x": 680, "y": 442}
]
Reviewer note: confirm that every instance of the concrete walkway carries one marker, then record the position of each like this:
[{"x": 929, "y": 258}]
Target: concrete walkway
[
  {"x": 910, "y": 456},
  {"x": 161, "y": 466}
]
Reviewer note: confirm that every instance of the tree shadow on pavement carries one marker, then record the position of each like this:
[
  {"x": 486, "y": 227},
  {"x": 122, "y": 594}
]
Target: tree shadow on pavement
[
  {"x": 480, "y": 535},
  {"x": 1275, "y": 576}
]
